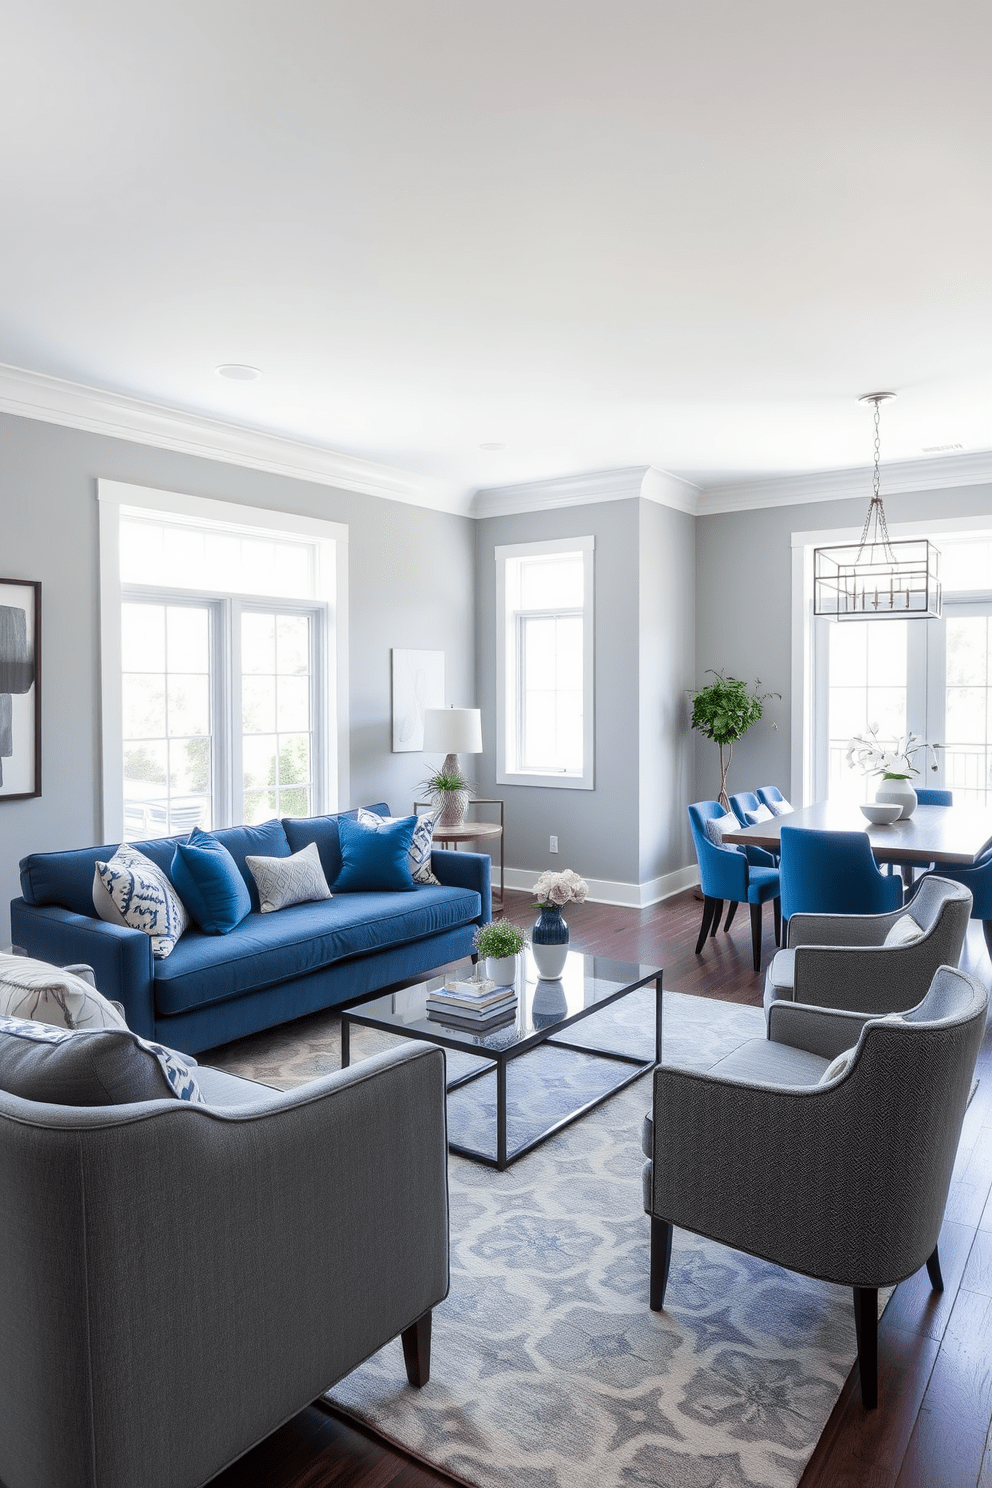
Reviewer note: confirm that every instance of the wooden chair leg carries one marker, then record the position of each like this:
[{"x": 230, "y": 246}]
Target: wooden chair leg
[
  {"x": 709, "y": 905},
  {"x": 417, "y": 1350},
  {"x": 866, "y": 1325},
  {"x": 716, "y": 916},
  {"x": 661, "y": 1260},
  {"x": 756, "y": 935},
  {"x": 777, "y": 908},
  {"x": 730, "y": 915},
  {"x": 933, "y": 1271}
]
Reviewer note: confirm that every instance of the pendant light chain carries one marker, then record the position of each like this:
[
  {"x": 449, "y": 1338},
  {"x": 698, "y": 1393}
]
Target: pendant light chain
[{"x": 876, "y": 509}]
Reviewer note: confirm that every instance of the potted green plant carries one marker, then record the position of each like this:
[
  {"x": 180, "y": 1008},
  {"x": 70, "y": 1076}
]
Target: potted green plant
[
  {"x": 724, "y": 711},
  {"x": 500, "y": 943},
  {"x": 448, "y": 793}
]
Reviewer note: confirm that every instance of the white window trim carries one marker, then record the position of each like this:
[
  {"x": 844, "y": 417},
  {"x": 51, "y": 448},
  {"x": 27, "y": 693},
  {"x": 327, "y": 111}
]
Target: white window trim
[
  {"x": 331, "y": 589},
  {"x": 506, "y": 674},
  {"x": 802, "y": 785}
]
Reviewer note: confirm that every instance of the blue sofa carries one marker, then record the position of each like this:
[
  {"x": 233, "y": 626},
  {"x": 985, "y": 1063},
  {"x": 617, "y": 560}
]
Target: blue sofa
[{"x": 269, "y": 969}]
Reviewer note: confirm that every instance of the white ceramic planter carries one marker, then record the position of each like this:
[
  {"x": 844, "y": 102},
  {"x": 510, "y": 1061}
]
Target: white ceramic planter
[
  {"x": 899, "y": 793},
  {"x": 502, "y": 970}
]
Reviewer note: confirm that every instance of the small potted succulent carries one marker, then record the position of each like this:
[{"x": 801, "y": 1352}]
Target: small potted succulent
[
  {"x": 448, "y": 792},
  {"x": 500, "y": 943}
]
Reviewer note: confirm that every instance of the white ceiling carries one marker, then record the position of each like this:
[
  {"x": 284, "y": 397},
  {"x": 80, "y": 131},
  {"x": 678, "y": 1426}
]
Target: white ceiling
[{"x": 606, "y": 233}]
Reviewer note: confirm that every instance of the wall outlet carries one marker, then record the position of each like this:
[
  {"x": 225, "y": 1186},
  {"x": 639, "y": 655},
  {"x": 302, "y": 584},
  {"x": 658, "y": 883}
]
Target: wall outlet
[{"x": 553, "y": 846}]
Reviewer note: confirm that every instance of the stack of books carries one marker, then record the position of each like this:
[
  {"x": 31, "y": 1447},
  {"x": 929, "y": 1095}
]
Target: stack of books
[{"x": 476, "y": 1007}]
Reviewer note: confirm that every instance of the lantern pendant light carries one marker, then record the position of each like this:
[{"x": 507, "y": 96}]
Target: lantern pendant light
[{"x": 877, "y": 578}]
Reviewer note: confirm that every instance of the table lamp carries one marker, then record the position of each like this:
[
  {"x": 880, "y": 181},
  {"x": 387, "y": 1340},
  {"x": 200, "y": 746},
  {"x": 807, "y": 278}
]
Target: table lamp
[{"x": 453, "y": 731}]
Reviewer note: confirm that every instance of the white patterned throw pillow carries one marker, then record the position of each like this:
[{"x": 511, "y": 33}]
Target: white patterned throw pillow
[
  {"x": 717, "y": 825},
  {"x": 420, "y": 847},
  {"x": 145, "y": 897},
  {"x": 298, "y": 879},
  {"x": 47, "y": 994},
  {"x": 758, "y": 815},
  {"x": 782, "y": 808}
]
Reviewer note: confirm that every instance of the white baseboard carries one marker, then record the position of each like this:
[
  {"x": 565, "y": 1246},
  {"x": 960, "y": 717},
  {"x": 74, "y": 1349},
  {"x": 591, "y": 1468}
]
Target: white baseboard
[{"x": 606, "y": 891}]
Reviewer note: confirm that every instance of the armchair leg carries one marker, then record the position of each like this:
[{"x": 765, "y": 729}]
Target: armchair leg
[
  {"x": 777, "y": 908},
  {"x": 730, "y": 915},
  {"x": 866, "y": 1324},
  {"x": 709, "y": 908},
  {"x": 661, "y": 1260},
  {"x": 756, "y": 935},
  {"x": 718, "y": 911},
  {"x": 417, "y": 1350},
  {"x": 933, "y": 1271}
]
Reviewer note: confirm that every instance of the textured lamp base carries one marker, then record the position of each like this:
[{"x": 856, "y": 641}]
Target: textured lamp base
[{"x": 455, "y": 803}]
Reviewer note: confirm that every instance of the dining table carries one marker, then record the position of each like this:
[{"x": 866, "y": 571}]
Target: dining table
[{"x": 953, "y": 835}]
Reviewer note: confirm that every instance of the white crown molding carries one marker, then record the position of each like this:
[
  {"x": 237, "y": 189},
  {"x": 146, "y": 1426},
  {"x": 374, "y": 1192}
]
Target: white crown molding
[
  {"x": 935, "y": 473},
  {"x": 57, "y": 401},
  {"x": 583, "y": 490}
]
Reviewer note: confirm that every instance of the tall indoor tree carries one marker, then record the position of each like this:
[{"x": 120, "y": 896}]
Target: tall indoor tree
[{"x": 724, "y": 711}]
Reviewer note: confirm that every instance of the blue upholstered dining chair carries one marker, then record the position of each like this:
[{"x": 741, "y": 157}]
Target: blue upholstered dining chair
[
  {"x": 772, "y": 797},
  {"x": 977, "y": 878},
  {"x": 833, "y": 873},
  {"x": 747, "y": 808},
  {"x": 935, "y": 797},
  {"x": 741, "y": 876}
]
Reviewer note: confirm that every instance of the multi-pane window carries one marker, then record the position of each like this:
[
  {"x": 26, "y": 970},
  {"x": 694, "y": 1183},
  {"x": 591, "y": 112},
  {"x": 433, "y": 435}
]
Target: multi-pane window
[
  {"x": 220, "y": 691},
  {"x": 544, "y": 661},
  {"x": 968, "y": 708},
  {"x": 867, "y": 685}
]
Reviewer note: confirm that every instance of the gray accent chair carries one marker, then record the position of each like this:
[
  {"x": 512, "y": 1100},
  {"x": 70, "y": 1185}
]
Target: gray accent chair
[
  {"x": 840, "y": 961},
  {"x": 178, "y": 1280},
  {"x": 844, "y": 1181}
]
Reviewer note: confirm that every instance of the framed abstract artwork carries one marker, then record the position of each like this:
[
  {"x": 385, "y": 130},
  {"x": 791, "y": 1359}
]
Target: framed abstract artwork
[
  {"x": 20, "y": 689},
  {"x": 418, "y": 683}
]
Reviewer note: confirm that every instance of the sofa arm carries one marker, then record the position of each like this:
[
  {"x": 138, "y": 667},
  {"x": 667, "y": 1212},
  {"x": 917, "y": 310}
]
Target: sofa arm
[
  {"x": 121, "y": 958},
  {"x": 465, "y": 870}
]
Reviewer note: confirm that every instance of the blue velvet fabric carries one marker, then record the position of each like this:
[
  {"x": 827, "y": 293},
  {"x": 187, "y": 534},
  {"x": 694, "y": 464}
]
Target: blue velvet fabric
[
  {"x": 323, "y": 830},
  {"x": 934, "y": 797},
  {"x": 207, "y": 880},
  {"x": 375, "y": 859},
  {"x": 725, "y": 872},
  {"x": 833, "y": 873},
  {"x": 977, "y": 878},
  {"x": 267, "y": 949},
  {"x": 769, "y": 795}
]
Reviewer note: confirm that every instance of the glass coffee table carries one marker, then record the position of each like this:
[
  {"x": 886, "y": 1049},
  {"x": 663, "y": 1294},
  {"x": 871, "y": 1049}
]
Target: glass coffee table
[{"x": 545, "y": 1010}]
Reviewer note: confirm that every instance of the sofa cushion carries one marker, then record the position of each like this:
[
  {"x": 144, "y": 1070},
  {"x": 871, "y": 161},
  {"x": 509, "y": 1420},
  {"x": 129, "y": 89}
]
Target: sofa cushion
[
  {"x": 265, "y": 950},
  {"x": 375, "y": 856},
  {"x": 89, "y": 1067},
  {"x": 209, "y": 883},
  {"x": 47, "y": 994},
  {"x": 323, "y": 830}
]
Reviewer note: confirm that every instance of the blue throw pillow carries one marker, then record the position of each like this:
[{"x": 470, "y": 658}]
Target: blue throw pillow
[
  {"x": 209, "y": 883},
  {"x": 375, "y": 857}
]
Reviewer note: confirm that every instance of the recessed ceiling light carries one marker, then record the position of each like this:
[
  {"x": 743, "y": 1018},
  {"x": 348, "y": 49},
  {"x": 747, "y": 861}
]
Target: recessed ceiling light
[
  {"x": 492, "y": 446},
  {"x": 237, "y": 372}
]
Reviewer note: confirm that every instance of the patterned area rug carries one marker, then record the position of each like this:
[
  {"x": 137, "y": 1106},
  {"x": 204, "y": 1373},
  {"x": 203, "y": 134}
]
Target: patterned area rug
[{"x": 549, "y": 1369}]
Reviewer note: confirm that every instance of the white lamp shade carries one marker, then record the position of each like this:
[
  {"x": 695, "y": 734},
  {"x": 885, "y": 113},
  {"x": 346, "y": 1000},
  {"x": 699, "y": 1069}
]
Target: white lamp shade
[{"x": 452, "y": 730}]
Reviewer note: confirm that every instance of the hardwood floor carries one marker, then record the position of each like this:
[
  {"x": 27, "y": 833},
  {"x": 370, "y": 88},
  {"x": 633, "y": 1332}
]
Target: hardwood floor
[{"x": 932, "y": 1425}]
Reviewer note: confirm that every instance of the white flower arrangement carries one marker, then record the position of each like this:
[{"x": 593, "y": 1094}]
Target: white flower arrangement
[
  {"x": 867, "y": 753},
  {"x": 556, "y": 889}
]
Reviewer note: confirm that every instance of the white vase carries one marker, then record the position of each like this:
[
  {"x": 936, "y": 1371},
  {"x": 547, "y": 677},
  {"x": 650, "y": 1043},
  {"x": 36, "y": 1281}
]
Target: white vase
[
  {"x": 899, "y": 793},
  {"x": 502, "y": 970}
]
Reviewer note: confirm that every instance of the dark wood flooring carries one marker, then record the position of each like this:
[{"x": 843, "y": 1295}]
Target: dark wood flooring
[{"x": 932, "y": 1425}]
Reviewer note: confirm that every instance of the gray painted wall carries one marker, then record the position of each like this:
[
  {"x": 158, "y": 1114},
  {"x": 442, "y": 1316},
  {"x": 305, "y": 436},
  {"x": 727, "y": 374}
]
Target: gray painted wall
[
  {"x": 48, "y": 531},
  {"x": 744, "y": 611}
]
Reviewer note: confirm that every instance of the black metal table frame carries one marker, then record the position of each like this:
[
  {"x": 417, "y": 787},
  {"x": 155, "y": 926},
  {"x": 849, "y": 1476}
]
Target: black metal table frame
[{"x": 500, "y": 1058}]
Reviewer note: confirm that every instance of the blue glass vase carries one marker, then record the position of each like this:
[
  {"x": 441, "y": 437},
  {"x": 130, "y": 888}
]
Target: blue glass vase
[{"x": 549, "y": 943}]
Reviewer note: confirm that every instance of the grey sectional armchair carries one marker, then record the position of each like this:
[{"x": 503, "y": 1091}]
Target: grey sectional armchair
[
  {"x": 841, "y": 961},
  {"x": 842, "y": 1176},
  {"x": 180, "y": 1279}
]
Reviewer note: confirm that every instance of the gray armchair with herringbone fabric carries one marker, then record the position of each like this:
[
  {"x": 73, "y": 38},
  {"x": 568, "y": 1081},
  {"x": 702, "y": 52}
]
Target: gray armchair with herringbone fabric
[
  {"x": 180, "y": 1279},
  {"x": 841, "y": 961},
  {"x": 846, "y": 1180}
]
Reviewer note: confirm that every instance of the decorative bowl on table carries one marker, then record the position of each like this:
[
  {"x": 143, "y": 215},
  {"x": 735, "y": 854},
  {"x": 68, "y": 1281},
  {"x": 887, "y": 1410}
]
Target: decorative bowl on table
[{"x": 881, "y": 813}]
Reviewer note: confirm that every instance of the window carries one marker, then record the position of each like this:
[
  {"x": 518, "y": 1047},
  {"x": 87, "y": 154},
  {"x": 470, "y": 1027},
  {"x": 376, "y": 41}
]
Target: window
[
  {"x": 544, "y": 641},
  {"x": 222, "y": 684}
]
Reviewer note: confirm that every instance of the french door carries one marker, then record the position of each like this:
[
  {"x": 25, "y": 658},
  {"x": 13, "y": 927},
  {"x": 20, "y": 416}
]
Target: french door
[{"x": 929, "y": 677}]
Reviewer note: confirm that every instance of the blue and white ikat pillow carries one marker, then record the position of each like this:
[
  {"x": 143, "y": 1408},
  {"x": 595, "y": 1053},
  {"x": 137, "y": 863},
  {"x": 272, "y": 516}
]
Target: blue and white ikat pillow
[
  {"x": 420, "y": 848},
  {"x": 145, "y": 897}
]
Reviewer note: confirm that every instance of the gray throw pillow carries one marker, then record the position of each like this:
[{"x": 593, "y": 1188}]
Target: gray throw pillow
[
  {"x": 89, "y": 1067},
  {"x": 298, "y": 879}
]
